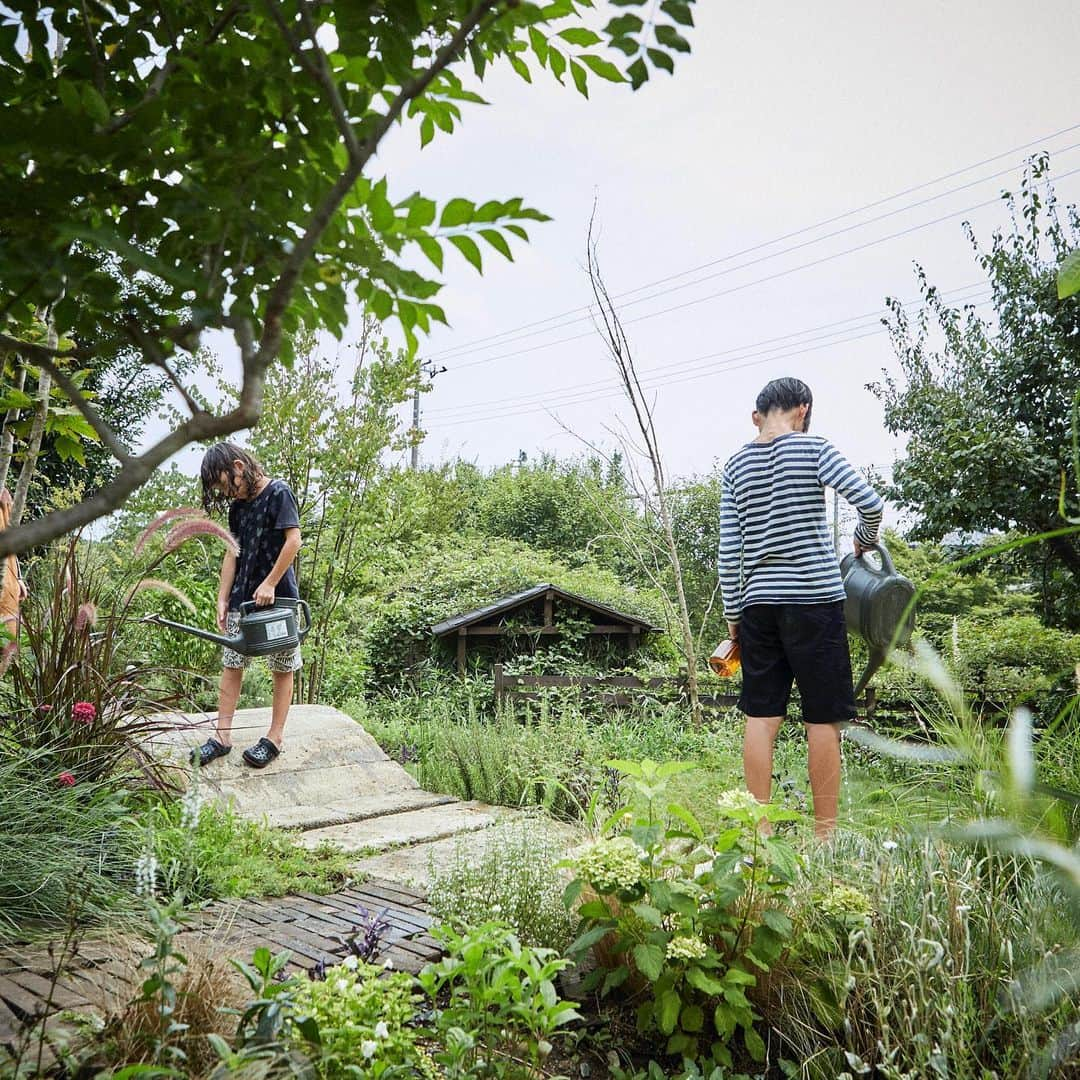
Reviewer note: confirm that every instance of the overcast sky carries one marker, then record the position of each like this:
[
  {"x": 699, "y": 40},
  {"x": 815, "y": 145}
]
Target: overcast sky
[{"x": 784, "y": 116}]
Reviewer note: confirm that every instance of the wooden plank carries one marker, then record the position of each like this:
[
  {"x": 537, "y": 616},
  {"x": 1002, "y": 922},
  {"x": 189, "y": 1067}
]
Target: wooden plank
[
  {"x": 10, "y": 1024},
  {"x": 42, "y": 987},
  {"x": 19, "y": 999},
  {"x": 393, "y": 888}
]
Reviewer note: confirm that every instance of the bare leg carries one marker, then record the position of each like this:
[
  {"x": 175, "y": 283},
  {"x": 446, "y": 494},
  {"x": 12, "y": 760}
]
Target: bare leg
[
  {"x": 823, "y": 742},
  {"x": 232, "y": 678},
  {"x": 758, "y": 745},
  {"x": 283, "y": 691}
]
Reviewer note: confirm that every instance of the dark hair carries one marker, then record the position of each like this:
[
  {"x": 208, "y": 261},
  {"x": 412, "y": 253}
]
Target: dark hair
[
  {"x": 219, "y": 459},
  {"x": 783, "y": 394}
]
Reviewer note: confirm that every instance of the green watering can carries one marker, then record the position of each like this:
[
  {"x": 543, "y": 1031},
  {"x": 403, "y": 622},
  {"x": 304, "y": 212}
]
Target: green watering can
[
  {"x": 877, "y": 607},
  {"x": 263, "y": 630}
]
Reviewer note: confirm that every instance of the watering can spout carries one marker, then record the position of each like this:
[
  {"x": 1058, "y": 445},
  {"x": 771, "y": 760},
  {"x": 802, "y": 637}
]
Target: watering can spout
[{"x": 218, "y": 639}]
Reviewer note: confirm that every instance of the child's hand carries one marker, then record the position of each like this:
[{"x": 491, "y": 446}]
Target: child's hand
[
  {"x": 222, "y": 614},
  {"x": 264, "y": 595}
]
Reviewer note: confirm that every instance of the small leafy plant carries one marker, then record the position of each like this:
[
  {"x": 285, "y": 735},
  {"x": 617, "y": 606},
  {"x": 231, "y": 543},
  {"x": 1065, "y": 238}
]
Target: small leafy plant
[{"x": 687, "y": 923}]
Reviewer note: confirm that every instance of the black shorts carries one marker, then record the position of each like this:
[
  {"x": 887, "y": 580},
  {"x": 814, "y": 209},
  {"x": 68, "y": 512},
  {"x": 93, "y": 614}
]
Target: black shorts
[{"x": 804, "y": 642}]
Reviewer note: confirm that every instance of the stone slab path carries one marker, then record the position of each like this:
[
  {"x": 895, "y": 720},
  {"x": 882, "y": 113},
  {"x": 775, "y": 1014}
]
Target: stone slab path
[{"x": 334, "y": 784}]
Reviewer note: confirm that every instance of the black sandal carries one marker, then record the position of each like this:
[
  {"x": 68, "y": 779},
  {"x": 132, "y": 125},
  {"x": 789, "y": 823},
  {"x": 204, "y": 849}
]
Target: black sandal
[
  {"x": 261, "y": 754},
  {"x": 210, "y": 750}
]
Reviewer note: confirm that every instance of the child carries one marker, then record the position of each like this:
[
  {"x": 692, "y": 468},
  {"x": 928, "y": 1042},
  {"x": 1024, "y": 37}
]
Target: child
[
  {"x": 783, "y": 594},
  {"x": 12, "y": 587},
  {"x": 264, "y": 518}
]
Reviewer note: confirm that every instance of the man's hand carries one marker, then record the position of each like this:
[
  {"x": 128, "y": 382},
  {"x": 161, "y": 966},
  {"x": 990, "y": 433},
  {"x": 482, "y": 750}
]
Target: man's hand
[
  {"x": 264, "y": 595},
  {"x": 222, "y": 614},
  {"x": 733, "y": 631}
]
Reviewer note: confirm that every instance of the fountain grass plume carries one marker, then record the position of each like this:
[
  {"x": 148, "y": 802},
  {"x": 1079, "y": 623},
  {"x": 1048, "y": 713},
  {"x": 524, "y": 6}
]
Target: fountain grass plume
[
  {"x": 160, "y": 586},
  {"x": 161, "y": 520},
  {"x": 186, "y": 530}
]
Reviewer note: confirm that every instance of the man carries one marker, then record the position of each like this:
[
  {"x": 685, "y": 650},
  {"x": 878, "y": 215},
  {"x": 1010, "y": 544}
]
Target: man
[{"x": 782, "y": 590}]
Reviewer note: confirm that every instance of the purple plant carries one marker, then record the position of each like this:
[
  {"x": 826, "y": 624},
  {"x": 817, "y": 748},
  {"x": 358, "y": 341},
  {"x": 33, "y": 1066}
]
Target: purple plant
[
  {"x": 408, "y": 753},
  {"x": 366, "y": 940},
  {"x": 163, "y": 519},
  {"x": 199, "y": 527}
]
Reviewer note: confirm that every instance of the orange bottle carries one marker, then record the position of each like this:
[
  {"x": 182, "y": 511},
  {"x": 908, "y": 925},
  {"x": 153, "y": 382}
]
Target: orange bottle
[{"x": 725, "y": 661}]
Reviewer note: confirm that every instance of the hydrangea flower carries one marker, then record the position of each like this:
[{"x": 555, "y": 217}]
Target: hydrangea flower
[
  {"x": 845, "y": 901},
  {"x": 684, "y": 947},
  {"x": 612, "y": 865},
  {"x": 737, "y": 803}
]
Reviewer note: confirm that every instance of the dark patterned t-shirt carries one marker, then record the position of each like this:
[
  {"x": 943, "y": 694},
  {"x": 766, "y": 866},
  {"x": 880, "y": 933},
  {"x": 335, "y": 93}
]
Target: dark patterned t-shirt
[{"x": 259, "y": 526}]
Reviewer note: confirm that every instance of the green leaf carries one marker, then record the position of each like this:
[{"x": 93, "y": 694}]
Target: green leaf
[
  {"x": 589, "y": 939},
  {"x": 777, "y": 921},
  {"x": 421, "y": 212},
  {"x": 667, "y": 1010},
  {"x": 381, "y": 304},
  {"x": 68, "y": 449},
  {"x": 692, "y": 1018},
  {"x": 594, "y": 909},
  {"x": 468, "y": 247},
  {"x": 581, "y": 78},
  {"x": 69, "y": 96},
  {"x": 579, "y": 35},
  {"x": 603, "y": 69},
  {"x": 521, "y": 68},
  {"x": 678, "y": 11},
  {"x": 647, "y": 913},
  {"x": 624, "y": 26},
  {"x": 638, "y": 73},
  {"x": 755, "y": 1045},
  {"x": 1068, "y": 275},
  {"x": 661, "y": 60},
  {"x": 557, "y": 63},
  {"x": 572, "y": 892},
  {"x": 431, "y": 248},
  {"x": 704, "y": 982},
  {"x": 650, "y": 961},
  {"x": 427, "y": 131},
  {"x": 539, "y": 44},
  {"x": 94, "y": 104},
  {"x": 670, "y": 38},
  {"x": 456, "y": 212},
  {"x": 614, "y": 979}
]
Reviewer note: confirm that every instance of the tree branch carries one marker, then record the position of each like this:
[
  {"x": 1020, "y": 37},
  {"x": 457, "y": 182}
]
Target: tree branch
[
  {"x": 132, "y": 475},
  {"x": 39, "y": 352}
]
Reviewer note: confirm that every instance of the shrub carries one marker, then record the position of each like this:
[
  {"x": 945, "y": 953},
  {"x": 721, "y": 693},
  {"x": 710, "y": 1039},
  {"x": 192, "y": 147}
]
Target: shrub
[
  {"x": 683, "y": 922},
  {"x": 515, "y": 879}
]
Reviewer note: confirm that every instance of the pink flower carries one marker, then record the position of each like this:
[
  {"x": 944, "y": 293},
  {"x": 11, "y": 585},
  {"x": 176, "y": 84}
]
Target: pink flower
[
  {"x": 44, "y": 708},
  {"x": 163, "y": 519},
  {"x": 66, "y": 779},
  {"x": 84, "y": 712},
  {"x": 86, "y": 616}
]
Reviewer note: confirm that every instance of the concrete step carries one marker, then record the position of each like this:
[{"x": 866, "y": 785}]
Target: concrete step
[
  {"x": 307, "y": 816},
  {"x": 411, "y": 827}
]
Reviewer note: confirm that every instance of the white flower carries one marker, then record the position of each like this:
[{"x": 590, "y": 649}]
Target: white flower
[
  {"x": 368, "y": 1048},
  {"x": 341, "y": 985},
  {"x": 351, "y": 963},
  {"x": 684, "y": 947},
  {"x": 381, "y": 1030},
  {"x": 890, "y": 845},
  {"x": 388, "y": 963}
]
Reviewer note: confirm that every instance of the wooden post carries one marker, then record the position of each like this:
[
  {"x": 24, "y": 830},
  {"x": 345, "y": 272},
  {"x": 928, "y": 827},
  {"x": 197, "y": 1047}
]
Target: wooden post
[
  {"x": 461, "y": 649},
  {"x": 500, "y": 685},
  {"x": 871, "y": 704},
  {"x": 549, "y": 608}
]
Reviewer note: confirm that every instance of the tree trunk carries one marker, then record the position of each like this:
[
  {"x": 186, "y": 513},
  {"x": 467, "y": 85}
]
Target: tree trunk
[
  {"x": 7, "y": 443},
  {"x": 37, "y": 432}
]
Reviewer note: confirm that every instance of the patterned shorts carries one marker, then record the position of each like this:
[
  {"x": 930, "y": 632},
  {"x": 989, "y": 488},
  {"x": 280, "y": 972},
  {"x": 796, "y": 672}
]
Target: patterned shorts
[{"x": 289, "y": 660}]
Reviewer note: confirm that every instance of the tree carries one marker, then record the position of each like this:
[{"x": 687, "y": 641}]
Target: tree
[
  {"x": 987, "y": 403},
  {"x": 212, "y": 164}
]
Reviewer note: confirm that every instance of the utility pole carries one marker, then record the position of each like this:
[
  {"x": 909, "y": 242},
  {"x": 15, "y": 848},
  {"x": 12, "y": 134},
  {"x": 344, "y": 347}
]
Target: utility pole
[{"x": 428, "y": 368}]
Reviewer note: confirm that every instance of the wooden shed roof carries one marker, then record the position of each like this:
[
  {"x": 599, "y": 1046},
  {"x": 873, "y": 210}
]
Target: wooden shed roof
[{"x": 508, "y": 603}]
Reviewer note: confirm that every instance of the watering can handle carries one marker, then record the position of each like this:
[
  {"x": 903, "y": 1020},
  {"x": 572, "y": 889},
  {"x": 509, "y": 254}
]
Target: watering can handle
[
  {"x": 888, "y": 569},
  {"x": 302, "y": 605}
]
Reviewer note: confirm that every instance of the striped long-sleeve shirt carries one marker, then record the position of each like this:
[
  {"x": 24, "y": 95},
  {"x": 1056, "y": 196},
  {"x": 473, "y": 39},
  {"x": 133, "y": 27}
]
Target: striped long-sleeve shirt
[{"x": 775, "y": 542}]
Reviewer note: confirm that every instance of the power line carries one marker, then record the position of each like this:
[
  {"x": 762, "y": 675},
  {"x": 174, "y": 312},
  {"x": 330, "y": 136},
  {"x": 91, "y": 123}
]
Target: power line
[
  {"x": 726, "y": 365},
  {"x": 470, "y": 346},
  {"x": 749, "y": 284},
  {"x": 953, "y": 295}
]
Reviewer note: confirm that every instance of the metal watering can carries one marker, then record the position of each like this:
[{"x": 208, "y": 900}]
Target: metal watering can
[
  {"x": 877, "y": 607},
  {"x": 263, "y": 630}
]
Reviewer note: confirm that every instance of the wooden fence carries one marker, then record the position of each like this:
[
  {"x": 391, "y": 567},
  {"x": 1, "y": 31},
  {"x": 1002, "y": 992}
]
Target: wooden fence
[{"x": 621, "y": 691}]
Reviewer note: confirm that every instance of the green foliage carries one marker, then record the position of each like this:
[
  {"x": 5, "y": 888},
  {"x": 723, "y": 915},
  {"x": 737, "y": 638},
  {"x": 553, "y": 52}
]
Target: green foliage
[
  {"x": 987, "y": 404},
  {"x": 365, "y": 1019},
  {"x": 206, "y": 851},
  {"x": 682, "y": 921},
  {"x": 513, "y": 879},
  {"x": 495, "y": 1002},
  {"x": 455, "y": 574}
]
